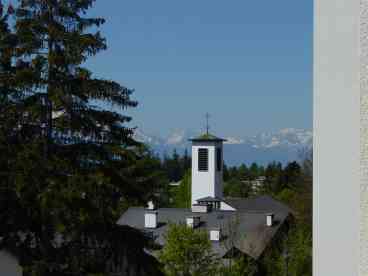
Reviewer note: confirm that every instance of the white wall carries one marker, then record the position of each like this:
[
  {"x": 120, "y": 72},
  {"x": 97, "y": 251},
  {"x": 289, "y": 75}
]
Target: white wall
[
  {"x": 9, "y": 265},
  {"x": 363, "y": 49},
  {"x": 336, "y": 138},
  {"x": 206, "y": 183}
]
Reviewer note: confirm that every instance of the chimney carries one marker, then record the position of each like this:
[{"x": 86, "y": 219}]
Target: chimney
[
  {"x": 215, "y": 234},
  {"x": 150, "y": 219},
  {"x": 270, "y": 219}
]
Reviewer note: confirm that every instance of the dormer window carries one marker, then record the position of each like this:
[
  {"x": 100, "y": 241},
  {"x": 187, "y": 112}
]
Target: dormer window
[{"x": 203, "y": 160}]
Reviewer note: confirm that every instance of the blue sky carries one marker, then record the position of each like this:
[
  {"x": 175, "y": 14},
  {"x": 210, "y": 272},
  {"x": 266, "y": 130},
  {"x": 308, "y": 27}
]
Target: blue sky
[{"x": 247, "y": 63}]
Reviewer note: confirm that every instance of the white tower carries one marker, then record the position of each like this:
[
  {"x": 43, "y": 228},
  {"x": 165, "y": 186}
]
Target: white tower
[{"x": 207, "y": 167}]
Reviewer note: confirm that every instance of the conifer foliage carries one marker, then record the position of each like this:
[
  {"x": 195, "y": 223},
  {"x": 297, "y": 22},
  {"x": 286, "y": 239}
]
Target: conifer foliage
[{"x": 67, "y": 164}]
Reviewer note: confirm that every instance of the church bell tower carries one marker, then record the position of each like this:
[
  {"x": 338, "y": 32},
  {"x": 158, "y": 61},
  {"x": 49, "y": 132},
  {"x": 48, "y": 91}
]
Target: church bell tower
[{"x": 207, "y": 166}]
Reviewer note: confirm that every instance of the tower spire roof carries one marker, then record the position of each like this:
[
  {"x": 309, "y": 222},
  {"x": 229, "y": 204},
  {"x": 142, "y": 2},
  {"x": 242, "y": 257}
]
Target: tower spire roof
[{"x": 207, "y": 137}]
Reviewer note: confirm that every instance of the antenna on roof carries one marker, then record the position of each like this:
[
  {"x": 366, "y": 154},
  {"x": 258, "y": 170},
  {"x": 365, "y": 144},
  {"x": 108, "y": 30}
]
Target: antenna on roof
[{"x": 207, "y": 122}]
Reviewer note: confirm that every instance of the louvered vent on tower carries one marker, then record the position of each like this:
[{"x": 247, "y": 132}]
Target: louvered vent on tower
[{"x": 203, "y": 160}]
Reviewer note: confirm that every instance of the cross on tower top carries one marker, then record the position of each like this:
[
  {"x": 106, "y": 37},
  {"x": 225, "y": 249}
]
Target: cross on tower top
[{"x": 207, "y": 123}]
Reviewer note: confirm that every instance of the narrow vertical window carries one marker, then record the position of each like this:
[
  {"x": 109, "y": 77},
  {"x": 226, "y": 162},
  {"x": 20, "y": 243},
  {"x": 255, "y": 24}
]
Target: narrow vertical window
[
  {"x": 203, "y": 160},
  {"x": 219, "y": 159}
]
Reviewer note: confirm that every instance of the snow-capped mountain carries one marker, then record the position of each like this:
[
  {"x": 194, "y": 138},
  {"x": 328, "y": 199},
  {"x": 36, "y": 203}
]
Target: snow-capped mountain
[
  {"x": 284, "y": 145},
  {"x": 289, "y": 137},
  {"x": 150, "y": 140},
  {"x": 234, "y": 141},
  {"x": 177, "y": 137}
]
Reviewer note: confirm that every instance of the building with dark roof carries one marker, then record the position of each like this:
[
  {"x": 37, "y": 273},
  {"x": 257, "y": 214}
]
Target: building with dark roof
[{"x": 244, "y": 225}]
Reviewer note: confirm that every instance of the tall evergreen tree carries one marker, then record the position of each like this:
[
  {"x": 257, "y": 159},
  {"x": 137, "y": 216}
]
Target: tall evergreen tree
[
  {"x": 292, "y": 174},
  {"x": 176, "y": 167},
  {"x": 226, "y": 174},
  {"x": 242, "y": 172},
  {"x": 254, "y": 171},
  {"x": 186, "y": 160},
  {"x": 73, "y": 164}
]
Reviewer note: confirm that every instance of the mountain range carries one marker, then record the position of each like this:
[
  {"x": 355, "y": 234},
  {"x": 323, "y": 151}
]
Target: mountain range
[{"x": 283, "y": 146}]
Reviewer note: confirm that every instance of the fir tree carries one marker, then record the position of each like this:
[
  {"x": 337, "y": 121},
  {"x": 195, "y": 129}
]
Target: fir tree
[
  {"x": 186, "y": 160},
  {"x": 71, "y": 165}
]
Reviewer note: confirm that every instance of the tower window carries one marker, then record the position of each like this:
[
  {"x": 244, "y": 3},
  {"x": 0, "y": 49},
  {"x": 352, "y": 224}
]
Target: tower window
[
  {"x": 203, "y": 160},
  {"x": 219, "y": 159}
]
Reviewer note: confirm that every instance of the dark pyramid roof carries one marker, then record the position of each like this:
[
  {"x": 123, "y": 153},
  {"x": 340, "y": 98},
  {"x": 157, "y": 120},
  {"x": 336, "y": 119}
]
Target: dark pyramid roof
[{"x": 206, "y": 137}]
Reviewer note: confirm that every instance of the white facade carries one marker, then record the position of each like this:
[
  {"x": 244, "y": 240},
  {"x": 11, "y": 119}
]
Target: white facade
[
  {"x": 206, "y": 183},
  {"x": 340, "y": 194}
]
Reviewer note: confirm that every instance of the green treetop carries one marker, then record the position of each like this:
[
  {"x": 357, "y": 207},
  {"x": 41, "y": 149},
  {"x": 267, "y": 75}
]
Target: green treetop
[{"x": 188, "y": 252}]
